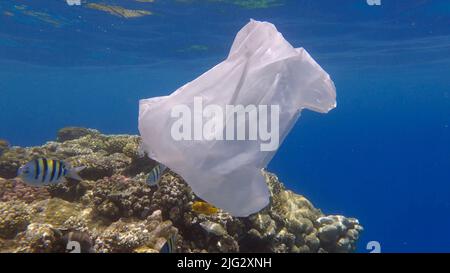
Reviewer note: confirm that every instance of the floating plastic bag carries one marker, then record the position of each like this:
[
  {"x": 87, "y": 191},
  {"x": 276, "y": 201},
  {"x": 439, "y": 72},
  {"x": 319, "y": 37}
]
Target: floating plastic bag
[{"x": 220, "y": 154}]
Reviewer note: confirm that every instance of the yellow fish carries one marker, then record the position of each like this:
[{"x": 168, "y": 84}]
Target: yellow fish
[{"x": 204, "y": 208}]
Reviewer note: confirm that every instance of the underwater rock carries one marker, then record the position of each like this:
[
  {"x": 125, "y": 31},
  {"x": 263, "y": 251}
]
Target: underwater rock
[
  {"x": 130, "y": 236},
  {"x": 329, "y": 233},
  {"x": 70, "y": 133},
  {"x": 338, "y": 233},
  {"x": 14, "y": 217},
  {"x": 70, "y": 191},
  {"x": 55, "y": 212},
  {"x": 39, "y": 238},
  {"x": 264, "y": 224},
  {"x": 132, "y": 148},
  {"x": 174, "y": 197},
  {"x": 4, "y": 145},
  {"x": 102, "y": 155},
  {"x": 116, "y": 144},
  {"x": 286, "y": 225},
  {"x": 109, "y": 210},
  {"x": 98, "y": 166},
  {"x": 11, "y": 160},
  {"x": 119, "y": 196},
  {"x": 213, "y": 228},
  {"x": 118, "y": 211},
  {"x": 16, "y": 189},
  {"x": 85, "y": 145}
]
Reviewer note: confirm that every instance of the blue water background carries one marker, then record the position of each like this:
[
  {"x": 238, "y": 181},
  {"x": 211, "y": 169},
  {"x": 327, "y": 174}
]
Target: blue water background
[{"x": 382, "y": 156}]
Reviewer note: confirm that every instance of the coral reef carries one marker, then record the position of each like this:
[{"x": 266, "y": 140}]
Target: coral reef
[
  {"x": 15, "y": 189},
  {"x": 39, "y": 238},
  {"x": 103, "y": 156},
  {"x": 14, "y": 217},
  {"x": 11, "y": 160},
  {"x": 119, "y": 196},
  {"x": 174, "y": 197},
  {"x": 114, "y": 210},
  {"x": 4, "y": 145},
  {"x": 337, "y": 233},
  {"x": 135, "y": 236},
  {"x": 70, "y": 133}
]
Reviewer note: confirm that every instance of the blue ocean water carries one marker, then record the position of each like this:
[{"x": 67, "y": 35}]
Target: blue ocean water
[{"x": 382, "y": 156}]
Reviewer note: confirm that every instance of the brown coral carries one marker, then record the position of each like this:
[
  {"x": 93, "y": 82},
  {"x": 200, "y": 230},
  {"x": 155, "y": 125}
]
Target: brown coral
[
  {"x": 119, "y": 196},
  {"x": 14, "y": 217},
  {"x": 16, "y": 189}
]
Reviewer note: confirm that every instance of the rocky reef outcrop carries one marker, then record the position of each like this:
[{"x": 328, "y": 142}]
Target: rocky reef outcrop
[
  {"x": 4, "y": 145},
  {"x": 114, "y": 210}
]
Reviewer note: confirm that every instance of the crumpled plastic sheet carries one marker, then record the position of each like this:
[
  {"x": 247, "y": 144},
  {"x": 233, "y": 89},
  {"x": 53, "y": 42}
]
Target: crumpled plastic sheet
[{"x": 262, "y": 68}]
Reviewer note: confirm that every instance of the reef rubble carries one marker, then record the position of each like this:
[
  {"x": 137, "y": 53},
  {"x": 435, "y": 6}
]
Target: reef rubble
[{"x": 114, "y": 210}]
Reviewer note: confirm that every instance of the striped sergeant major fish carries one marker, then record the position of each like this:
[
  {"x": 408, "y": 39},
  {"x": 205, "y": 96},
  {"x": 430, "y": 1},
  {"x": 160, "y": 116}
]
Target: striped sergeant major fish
[
  {"x": 42, "y": 171},
  {"x": 169, "y": 246},
  {"x": 155, "y": 175}
]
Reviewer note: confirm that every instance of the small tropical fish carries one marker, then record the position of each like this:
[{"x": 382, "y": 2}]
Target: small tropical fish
[
  {"x": 42, "y": 171},
  {"x": 169, "y": 246},
  {"x": 155, "y": 175},
  {"x": 204, "y": 208}
]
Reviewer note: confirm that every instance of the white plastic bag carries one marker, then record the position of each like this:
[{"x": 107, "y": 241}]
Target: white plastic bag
[{"x": 262, "y": 69}]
